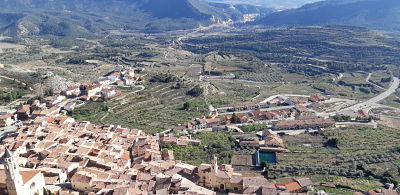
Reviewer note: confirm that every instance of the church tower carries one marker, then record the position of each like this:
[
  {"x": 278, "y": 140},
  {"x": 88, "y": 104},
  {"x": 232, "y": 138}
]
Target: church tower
[
  {"x": 214, "y": 162},
  {"x": 14, "y": 180}
]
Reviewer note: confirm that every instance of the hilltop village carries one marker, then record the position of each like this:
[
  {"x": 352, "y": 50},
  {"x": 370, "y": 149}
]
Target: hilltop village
[
  {"x": 51, "y": 153},
  {"x": 164, "y": 129},
  {"x": 66, "y": 157}
]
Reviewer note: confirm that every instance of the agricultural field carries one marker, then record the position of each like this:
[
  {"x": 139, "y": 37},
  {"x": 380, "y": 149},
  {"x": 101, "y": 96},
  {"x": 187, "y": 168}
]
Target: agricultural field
[
  {"x": 345, "y": 90},
  {"x": 338, "y": 48},
  {"x": 346, "y": 186},
  {"x": 393, "y": 100},
  {"x": 233, "y": 92},
  {"x": 11, "y": 90},
  {"x": 390, "y": 122},
  {"x": 382, "y": 78},
  {"x": 353, "y": 152},
  {"x": 218, "y": 144},
  {"x": 73, "y": 59},
  {"x": 155, "y": 108}
]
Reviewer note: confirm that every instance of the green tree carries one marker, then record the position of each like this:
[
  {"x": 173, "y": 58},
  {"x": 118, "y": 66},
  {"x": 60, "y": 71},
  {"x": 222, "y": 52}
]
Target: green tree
[
  {"x": 333, "y": 142},
  {"x": 234, "y": 118},
  {"x": 104, "y": 108},
  {"x": 186, "y": 106},
  {"x": 48, "y": 92},
  {"x": 196, "y": 91},
  {"x": 266, "y": 166}
]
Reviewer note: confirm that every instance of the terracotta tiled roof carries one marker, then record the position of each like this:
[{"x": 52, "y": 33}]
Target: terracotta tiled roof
[
  {"x": 72, "y": 88},
  {"x": 236, "y": 179},
  {"x": 290, "y": 185},
  {"x": 81, "y": 178},
  {"x": 303, "y": 181},
  {"x": 28, "y": 175},
  {"x": 205, "y": 167}
]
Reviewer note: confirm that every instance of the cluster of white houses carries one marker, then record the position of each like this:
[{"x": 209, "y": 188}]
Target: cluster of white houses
[
  {"x": 121, "y": 76},
  {"x": 91, "y": 90}
]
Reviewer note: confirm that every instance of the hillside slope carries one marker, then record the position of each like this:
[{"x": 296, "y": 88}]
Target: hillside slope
[
  {"x": 73, "y": 17},
  {"x": 339, "y": 48},
  {"x": 373, "y": 14}
]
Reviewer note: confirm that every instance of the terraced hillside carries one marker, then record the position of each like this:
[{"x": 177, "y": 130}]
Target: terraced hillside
[
  {"x": 338, "y": 48},
  {"x": 154, "y": 109},
  {"x": 362, "y": 153}
]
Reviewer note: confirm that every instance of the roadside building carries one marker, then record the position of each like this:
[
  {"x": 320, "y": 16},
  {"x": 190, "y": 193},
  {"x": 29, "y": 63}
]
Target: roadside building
[
  {"x": 90, "y": 89},
  {"x": 129, "y": 80},
  {"x": 203, "y": 123},
  {"x": 54, "y": 100},
  {"x": 72, "y": 91},
  {"x": 353, "y": 115},
  {"x": 93, "y": 90},
  {"x": 108, "y": 92},
  {"x": 114, "y": 77}
]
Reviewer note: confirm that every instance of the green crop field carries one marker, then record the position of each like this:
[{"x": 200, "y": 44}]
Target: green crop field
[{"x": 360, "y": 150}]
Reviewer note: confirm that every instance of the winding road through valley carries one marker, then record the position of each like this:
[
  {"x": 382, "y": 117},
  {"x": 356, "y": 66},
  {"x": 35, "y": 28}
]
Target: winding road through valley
[{"x": 373, "y": 102}]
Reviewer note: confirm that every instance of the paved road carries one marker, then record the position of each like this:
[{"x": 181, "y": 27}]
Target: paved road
[
  {"x": 371, "y": 103},
  {"x": 368, "y": 81}
]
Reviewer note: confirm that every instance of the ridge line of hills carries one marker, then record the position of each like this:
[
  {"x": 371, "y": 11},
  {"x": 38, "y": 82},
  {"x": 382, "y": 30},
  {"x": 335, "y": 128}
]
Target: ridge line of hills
[
  {"x": 87, "y": 17},
  {"x": 372, "y": 14},
  {"x": 78, "y": 17}
]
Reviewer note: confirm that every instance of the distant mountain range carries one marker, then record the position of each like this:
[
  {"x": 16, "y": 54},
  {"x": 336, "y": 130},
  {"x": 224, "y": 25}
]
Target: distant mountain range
[
  {"x": 77, "y": 17},
  {"x": 86, "y": 17},
  {"x": 276, "y": 4},
  {"x": 373, "y": 14}
]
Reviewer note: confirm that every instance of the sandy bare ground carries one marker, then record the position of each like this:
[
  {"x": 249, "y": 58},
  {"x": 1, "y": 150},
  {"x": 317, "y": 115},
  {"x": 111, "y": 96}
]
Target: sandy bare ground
[
  {"x": 49, "y": 50},
  {"x": 390, "y": 122},
  {"x": 10, "y": 46},
  {"x": 16, "y": 68}
]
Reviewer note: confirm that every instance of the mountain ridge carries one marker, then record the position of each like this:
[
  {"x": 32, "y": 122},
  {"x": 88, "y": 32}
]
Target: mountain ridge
[
  {"x": 373, "y": 14},
  {"x": 79, "y": 17}
]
